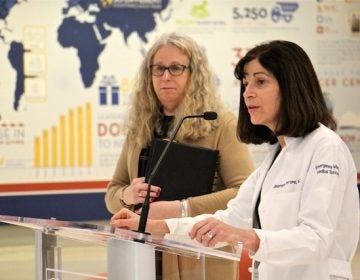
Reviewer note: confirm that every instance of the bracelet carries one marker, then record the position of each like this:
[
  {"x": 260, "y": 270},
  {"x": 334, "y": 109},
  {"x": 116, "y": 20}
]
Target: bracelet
[
  {"x": 123, "y": 203},
  {"x": 184, "y": 208}
]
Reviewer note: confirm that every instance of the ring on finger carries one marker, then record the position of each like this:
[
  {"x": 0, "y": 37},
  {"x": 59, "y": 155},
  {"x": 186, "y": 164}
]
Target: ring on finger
[{"x": 210, "y": 235}]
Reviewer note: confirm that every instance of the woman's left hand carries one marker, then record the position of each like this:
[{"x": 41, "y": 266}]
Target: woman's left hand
[{"x": 211, "y": 231}]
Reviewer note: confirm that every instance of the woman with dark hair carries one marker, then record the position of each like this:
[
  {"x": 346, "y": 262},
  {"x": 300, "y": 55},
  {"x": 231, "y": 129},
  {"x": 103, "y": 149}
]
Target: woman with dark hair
[
  {"x": 298, "y": 213},
  {"x": 302, "y": 105}
]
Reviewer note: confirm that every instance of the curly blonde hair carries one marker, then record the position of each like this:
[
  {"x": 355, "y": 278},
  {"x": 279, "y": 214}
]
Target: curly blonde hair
[{"x": 145, "y": 113}]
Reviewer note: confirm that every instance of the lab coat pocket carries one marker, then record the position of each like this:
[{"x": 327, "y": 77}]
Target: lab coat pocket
[{"x": 280, "y": 210}]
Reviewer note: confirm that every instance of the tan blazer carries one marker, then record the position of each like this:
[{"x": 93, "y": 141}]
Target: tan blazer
[{"x": 234, "y": 167}]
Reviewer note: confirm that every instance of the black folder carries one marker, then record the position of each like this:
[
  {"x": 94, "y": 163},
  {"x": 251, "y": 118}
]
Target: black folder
[{"x": 186, "y": 170}]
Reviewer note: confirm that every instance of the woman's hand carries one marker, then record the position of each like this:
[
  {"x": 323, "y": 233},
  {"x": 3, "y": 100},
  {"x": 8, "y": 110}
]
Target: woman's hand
[
  {"x": 135, "y": 193},
  {"x": 127, "y": 219},
  {"x": 211, "y": 231},
  {"x": 164, "y": 210}
]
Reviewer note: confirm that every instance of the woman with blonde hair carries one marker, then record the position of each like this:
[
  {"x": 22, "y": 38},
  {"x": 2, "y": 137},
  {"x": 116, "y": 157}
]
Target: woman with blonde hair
[{"x": 175, "y": 80}]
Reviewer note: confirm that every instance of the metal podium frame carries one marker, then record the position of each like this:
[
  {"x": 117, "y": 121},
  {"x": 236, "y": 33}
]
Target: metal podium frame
[{"x": 130, "y": 254}]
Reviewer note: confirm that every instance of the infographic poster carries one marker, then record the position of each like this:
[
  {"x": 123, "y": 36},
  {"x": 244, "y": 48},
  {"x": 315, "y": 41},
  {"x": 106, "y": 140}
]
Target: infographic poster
[{"x": 67, "y": 68}]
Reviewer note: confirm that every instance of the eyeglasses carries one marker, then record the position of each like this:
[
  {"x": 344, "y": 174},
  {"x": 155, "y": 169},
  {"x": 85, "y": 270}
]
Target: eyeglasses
[{"x": 174, "y": 69}]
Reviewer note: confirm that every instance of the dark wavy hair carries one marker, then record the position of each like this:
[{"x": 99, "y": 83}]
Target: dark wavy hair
[{"x": 302, "y": 104}]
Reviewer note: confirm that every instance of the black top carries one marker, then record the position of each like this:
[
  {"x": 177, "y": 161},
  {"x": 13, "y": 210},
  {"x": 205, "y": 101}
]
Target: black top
[
  {"x": 165, "y": 123},
  {"x": 256, "y": 218}
]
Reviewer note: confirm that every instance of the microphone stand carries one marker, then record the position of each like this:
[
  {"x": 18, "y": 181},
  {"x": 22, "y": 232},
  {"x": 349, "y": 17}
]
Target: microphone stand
[{"x": 145, "y": 207}]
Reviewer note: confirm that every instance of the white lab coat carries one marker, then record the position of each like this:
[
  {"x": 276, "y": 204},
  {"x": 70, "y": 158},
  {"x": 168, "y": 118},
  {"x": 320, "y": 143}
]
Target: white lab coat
[{"x": 309, "y": 209}]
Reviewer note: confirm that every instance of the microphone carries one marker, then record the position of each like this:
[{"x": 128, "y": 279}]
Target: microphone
[
  {"x": 145, "y": 207},
  {"x": 210, "y": 116}
]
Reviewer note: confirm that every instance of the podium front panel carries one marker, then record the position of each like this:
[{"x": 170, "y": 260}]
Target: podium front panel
[
  {"x": 70, "y": 251},
  {"x": 70, "y": 259}
]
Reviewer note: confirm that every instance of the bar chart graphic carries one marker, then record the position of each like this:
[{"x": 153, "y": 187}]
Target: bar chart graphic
[{"x": 68, "y": 143}]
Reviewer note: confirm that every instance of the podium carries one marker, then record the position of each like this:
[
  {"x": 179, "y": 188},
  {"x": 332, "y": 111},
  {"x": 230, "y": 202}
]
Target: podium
[{"x": 119, "y": 254}]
